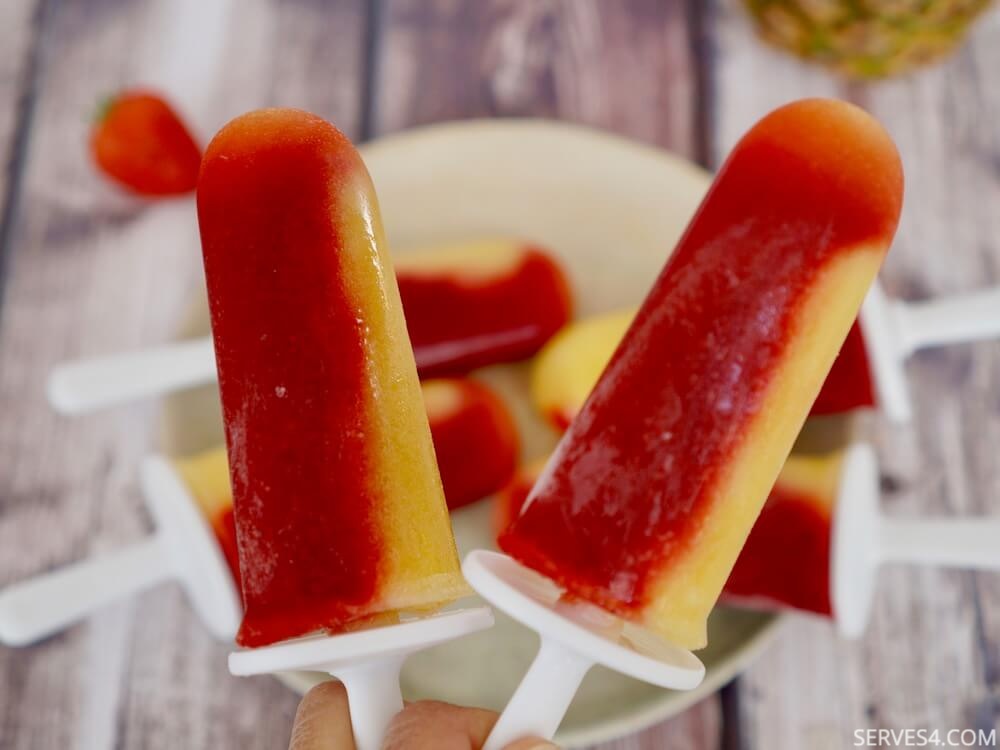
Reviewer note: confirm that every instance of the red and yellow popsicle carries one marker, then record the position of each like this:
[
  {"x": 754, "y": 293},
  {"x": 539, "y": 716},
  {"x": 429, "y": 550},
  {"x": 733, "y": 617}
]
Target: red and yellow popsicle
[
  {"x": 786, "y": 560},
  {"x": 478, "y": 303},
  {"x": 475, "y": 439},
  {"x": 207, "y": 477},
  {"x": 339, "y": 511},
  {"x": 508, "y": 502},
  {"x": 652, "y": 492}
]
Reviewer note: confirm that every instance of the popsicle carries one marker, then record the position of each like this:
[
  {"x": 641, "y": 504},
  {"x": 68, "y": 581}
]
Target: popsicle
[
  {"x": 786, "y": 559},
  {"x": 652, "y": 491},
  {"x": 821, "y": 538},
  {"x": 474, "y": 436},
  {"x": 849, "y": 385},
  {"x": 206, "y": 476},
  {"x": 477, "y": 303},
  {"x": 182, "y": 548},
  {"x": 339, "y": 511},
  {"x": 507, "y": 503},
  {"x": 868, "y": 371},
  {"x": 566, "y": 369}
]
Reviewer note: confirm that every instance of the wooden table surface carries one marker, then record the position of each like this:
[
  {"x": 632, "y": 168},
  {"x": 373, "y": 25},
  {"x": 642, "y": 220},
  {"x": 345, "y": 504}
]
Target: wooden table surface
[{"x": 84, "y": 272}]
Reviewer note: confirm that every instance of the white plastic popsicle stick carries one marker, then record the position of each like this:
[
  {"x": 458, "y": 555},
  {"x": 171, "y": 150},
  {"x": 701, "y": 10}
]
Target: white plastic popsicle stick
[
  {"x": 573, "y": 639},
  {"x": 183, "y": 548},
  {"x": 88, "y": 384},
  {"x": 973, "y": 316},
  {"x": 970, "y": 543},
  {"x": 43, "y": 605},
  {"x": 366, "y": 661},
  {"x": 895, "y": 329},
  {"x": 864, "y": 539}
]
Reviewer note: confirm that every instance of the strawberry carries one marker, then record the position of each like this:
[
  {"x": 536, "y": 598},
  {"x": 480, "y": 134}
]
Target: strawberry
[{"x": 140, "y": 142}]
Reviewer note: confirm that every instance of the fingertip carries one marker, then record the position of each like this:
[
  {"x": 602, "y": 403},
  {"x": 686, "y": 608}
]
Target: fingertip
[
  {"x": 433, "y": 724},
  {"x": 323, "y": 719},
  {"x": 327, "y": 693}
]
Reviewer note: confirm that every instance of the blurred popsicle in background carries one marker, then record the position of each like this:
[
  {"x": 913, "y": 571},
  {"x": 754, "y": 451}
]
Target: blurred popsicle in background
[
  {"x": 473, "y": 304},
  {"x": 466, "y": 305},
  {"x": 821, "y": 539},
  {"x": 868, "y": 372},
  {"x": 191, "y": 544}
]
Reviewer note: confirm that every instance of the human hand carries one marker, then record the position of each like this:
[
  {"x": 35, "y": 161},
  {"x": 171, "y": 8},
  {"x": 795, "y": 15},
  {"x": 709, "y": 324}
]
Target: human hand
[{"x": 323, "y": 722}]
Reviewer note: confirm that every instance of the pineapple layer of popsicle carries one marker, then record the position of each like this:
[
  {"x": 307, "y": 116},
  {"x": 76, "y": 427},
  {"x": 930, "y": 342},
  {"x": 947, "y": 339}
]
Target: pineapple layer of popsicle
[
  {"x": 477, "y": 303},
  {"x": 339, "y": 511},
  {"x": 655, "y": 486},
  {"x": 568, "y": 366}
]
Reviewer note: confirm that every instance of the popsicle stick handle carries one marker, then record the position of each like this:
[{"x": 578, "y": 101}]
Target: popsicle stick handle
[
  {"x": 955, "y": 543},
  {"x": 41, "y": 606},
  {"x": 373, "y": 696},
  {"x": 541, "y": 700},
  {"x": 89, "y": 384},
  {"x": 961, "y": 318}
]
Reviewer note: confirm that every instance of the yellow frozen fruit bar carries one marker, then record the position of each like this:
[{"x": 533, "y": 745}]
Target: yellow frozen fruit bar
[
  {"x": 340, "y": 516},
  {"x": 566, "y": 369},
  {"x": 651, "y": 493}
]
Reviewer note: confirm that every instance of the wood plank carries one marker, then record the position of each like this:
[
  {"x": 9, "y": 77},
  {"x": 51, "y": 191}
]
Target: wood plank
[
  {"x": 697, "y": 728},
  {"x": 92, "y": 273},
  {"x": 626, "y": 67},
  {"x": 19, "y": 41},
  {"x": 931, "y": 654}
]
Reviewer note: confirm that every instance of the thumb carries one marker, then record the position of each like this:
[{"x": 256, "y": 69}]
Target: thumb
[{"x": 531, "y": 744}]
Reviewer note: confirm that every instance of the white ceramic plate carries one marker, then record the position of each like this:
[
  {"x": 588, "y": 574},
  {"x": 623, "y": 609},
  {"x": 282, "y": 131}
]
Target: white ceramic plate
[{"x": 611, "y": 211}]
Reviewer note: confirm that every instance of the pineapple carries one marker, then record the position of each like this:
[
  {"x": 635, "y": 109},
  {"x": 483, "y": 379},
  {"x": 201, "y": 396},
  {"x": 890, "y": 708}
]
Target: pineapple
[{"x": 866, "y": 38}]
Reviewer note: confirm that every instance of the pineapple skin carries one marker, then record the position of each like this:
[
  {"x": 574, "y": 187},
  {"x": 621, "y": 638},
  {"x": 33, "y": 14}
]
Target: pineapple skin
[{"x": 866, "y": 38}]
